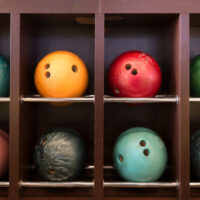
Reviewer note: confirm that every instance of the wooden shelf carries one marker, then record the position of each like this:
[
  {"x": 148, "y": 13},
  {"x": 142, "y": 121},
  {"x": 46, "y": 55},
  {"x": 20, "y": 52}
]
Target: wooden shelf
[
  {"x": 4, "y": 99},
  {"x": 141, "y": 185},
  {"x": 38, "y": 99},
  {"x": 168, "y": 30},
  {"x": 195, "y": 184},
  {"x": 156, "y": 99},
  {"x": 194, "y": 99},
  {"x": 76, "y": 184},
  {"x": 4, "y": 184}
]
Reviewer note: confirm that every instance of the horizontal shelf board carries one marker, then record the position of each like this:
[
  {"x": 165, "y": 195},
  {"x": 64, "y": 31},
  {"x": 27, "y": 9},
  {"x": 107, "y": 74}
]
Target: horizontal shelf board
[
  {"x": 4, "y": 184},
  {"x": 37, "y": 98},
  {"x": 156, "y": 99},
  {"x": 105, "y": 167},
  {"x": 141, "y": 184},
  {"x": 77, "y": 184},
  {"x": 4, "y": 99},
  {"x": 107, "y": 99},
  {"x": 195, "y": 184},
  {"x": 89, "y": 167},
  {"x": 194, "y": 99}
]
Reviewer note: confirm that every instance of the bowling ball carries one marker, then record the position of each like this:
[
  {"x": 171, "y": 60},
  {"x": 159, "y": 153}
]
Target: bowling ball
[
  {"x": 4, "y": 77},
  {"x": 195, "y": 154},
  {"x": 140, "y": 155},
  {"x": 61, "y": 74},
  {"x": 134, "y": 74},
  {"x": 4, "y": 152},
  {"x": 195, "y": 76},
  {"x": 60, "y": 155}
]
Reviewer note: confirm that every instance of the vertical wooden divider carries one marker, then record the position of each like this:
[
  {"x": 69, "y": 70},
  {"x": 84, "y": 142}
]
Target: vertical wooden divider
[
  {"x": 14, "y": 107},
  {"x": 99, "y": 107},
  {"x": 183, "y": 108}
]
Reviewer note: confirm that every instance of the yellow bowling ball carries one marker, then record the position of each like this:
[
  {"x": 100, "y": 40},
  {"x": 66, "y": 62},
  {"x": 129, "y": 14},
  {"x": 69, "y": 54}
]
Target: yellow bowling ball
[{"x": 61, "y": 74}]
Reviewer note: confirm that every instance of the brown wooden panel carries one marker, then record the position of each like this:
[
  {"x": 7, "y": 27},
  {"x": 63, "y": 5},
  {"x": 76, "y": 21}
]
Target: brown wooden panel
[
  {"x": 183, "y": 92},
  {"x": 4, "y": 198},
  {"x": 5, "y": 6},
  {"x": 53, "y": 6},
  {"x": 149, "y": 6},
  {"x": 138, "y": 198},
  {"x": 92, "y": 6},
  {"x": 14, "y": 108},
  {"x": 56, "y": 198},
  {"x": 99, "y": 106}
]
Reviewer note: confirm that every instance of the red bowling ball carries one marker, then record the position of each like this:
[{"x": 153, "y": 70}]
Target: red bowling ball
[
  {"x": 4, "y": 140},
  {"x": 134, "y": 74}
]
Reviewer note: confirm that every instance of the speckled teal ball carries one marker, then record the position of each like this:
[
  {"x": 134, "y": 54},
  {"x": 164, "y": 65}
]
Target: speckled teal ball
[
  {"x": 4, "y": 77},
  {"x": 140, "y": 155}
]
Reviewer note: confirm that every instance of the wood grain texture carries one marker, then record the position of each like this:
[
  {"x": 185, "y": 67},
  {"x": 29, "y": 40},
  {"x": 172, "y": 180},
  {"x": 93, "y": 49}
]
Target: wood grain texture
[
  {"x": 183, "y": 108},
  {"x": 56, "y": 198},
  {"x": 99, "y": 107},
  {"x": 49, "y": 6},
  {"x": 14, "y": 108},
  {"x": 149, "y": 6},
  {"x": 139, "y": 198}
]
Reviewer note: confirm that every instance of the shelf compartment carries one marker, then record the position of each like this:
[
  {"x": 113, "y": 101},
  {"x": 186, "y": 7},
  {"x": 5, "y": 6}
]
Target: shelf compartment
[
  {"x": 78, "y": 184},
  {"x": 38, "y": 118},
  {"x": 147, "y": 33},
  {"x": 141, "y": 184},
  {"x": 120, "y": 117},
  {"x": 45, "y": 33},
  {"x": 194, "y": 101},
  {"x": 38, "y": 98},
  {"x": 156, "y": 99}
]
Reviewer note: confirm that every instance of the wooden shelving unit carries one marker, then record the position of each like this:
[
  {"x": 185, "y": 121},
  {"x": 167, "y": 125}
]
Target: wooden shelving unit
[{"x": 167, "y": 30}]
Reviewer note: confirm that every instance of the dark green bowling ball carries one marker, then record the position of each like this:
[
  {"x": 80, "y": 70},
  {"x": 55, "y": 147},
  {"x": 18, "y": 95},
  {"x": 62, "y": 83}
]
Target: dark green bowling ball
[
  {"x": 60, "y": 155},
  {"x": 4, "y": 76}
]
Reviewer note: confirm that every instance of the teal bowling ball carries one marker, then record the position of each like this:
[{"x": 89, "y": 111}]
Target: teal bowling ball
[
  {"x": 140, "y": 155},
  {"x": 195, "y": 76},
  {"x": 4, "y": 76}
]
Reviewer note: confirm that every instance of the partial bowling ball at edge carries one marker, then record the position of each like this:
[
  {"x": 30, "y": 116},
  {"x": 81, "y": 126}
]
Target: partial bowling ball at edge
[
  {"x": 195, "y": 76},
  {"x": 60, "y": 155},
  {"x": 140, "y": 155},
  {"x": 4, "y": 77},
  {"x": 195, "y": 154},
  {"x": 4, "y": 152}
]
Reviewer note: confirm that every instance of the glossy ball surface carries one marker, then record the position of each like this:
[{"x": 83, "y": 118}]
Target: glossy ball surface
[
  {"x": 140, "y": 155},
  {"x": 4, "y": 152},
  {"x": 60, "y": 155},
  {"x": 61, "y": 74},
  {"x": 195, "y": 155},
  {"x": 4, "y": 77},
  {"x": 195, "y": 76},
  {"x": 134, "y": 74}
]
